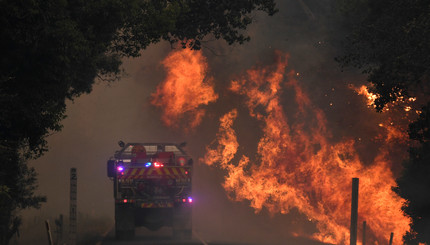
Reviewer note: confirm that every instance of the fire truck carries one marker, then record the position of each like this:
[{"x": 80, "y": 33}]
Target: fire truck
[{"x": 152, "y": 188}]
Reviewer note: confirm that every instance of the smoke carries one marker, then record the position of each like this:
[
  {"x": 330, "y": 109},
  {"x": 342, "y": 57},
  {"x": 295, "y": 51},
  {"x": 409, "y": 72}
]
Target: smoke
[{"x": 122, "y": 110}]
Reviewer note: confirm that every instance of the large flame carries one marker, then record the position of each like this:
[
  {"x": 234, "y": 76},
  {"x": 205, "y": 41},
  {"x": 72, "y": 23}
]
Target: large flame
[
  {"x": 185, "y": 89},
  {"x": 298, "y": 167}
]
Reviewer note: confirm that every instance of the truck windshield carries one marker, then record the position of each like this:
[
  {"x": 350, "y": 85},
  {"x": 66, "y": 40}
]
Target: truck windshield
[{"x": 152, "y": 149}]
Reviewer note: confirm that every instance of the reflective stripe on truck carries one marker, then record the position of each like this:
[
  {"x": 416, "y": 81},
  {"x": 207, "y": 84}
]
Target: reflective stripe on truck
[
  {"x": 164, "y": 172},
  {"x": 157, "y": 205}
]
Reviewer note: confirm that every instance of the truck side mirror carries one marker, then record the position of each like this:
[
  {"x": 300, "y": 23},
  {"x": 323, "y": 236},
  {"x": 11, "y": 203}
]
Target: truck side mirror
[
  {"x": 111, "y": 168},
  {"x": 121, "y": 144}
]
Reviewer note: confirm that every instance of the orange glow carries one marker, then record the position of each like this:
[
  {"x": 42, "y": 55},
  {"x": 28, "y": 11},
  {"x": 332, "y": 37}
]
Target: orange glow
[
  {"x": 406, "y": 104},
  {"x": 297, "y": 166},
  {"x": 371, "y": 97},
  {"x": 392, "y": 134},
  {"x": 185, "y": 90},
  {"x": 395, "y": 134},
  {"x": 226, "y": 142}
]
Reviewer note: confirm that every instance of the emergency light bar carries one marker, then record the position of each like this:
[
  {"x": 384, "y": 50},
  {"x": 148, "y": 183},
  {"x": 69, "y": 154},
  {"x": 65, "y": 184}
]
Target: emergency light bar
[{"x": 155, "y": 164}]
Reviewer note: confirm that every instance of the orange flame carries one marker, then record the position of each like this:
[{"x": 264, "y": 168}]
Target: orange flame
[
  {"x": 227, "y": 143},
  {"x": 185, "y": 89},
  {"x": 371, "y": 97},
  {"x": 298, "y": 167}
]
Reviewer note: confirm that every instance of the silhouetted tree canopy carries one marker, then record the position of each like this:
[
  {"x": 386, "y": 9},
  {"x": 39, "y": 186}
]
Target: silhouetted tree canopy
[
  {"x": 18, "y": 184},
  {"x": 414, "y": 184},
  {"x": 53, "y": 50},
  {"x": 389, "y": 40}
]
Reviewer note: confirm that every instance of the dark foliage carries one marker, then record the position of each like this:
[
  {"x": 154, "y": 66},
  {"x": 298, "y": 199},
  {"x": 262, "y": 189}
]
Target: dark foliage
[
  {"x": 187, "y": 21},
  {"x": 53, "y": 50},
  {"x": 414, "y": 184},
  {"x": 17, "y": 186},
  {"x": 389, "y": 40}
]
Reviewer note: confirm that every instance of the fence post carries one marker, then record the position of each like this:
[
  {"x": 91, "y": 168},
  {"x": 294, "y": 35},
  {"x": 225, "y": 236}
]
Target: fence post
[
  {"x": 354, "y": 212},
  {"x": 48, "y": 231},
  {"x": 364, "y": 233},
  {"x": 73, "y": 202}
]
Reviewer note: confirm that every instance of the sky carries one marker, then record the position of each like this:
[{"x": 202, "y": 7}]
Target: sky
[{"x": 122, "y": 111}]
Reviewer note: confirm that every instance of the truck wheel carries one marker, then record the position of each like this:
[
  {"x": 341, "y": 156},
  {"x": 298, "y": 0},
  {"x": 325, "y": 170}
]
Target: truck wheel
[
  {"x": 124, "y": 222},
  {"x": 182, "y": 224},
  {"x": 181, "y": 234},
  {"x": 187, "y": 234},
  {"x": 124, "y": 234}
]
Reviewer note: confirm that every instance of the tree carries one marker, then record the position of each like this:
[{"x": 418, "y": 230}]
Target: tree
[
  {"x": 54, "y": 49},
  {"x": 414, "y": 183},
  {"x": 18, "y": 183},
  {"x": 389, "y": 41}
]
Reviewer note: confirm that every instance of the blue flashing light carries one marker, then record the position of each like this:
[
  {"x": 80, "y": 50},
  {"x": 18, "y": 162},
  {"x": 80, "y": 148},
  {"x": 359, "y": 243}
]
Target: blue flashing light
[
  {"x": 120, "y": 168},
  {"x": 148, "y": 164},
  {"x": 190, "y": 199}
]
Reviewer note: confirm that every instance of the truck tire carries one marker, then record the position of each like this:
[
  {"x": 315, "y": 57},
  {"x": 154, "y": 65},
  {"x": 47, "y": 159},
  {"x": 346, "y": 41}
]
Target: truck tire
[
  {"x": 182, "y": 234},
  {"x": 124, "y": 222},
  {"x": 124, "y": 234},
  {"x": 182, "y": 223}
]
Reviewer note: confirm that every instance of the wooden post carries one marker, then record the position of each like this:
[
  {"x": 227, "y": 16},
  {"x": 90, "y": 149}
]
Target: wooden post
[
  {"x": 391, "y": 238},
  {"x": 48, "y": 231},
  {"x": 354, "y": 212},
  {"x": 73, "y": 202},
  {"x": 364, "y": 233},
  {"x": 59, "y": 230}
]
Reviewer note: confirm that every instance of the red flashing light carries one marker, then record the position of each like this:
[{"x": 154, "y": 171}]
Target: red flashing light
[
  {"x": 157, "y": 164},
  {"x": 184, "y": 200},
  {"x": 125, "y": 200},
  {"x": 181, "y": 161}
]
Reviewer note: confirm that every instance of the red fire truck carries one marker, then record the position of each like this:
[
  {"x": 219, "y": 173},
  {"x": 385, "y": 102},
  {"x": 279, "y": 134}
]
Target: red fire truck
[{"x": 152, "y": 188}]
